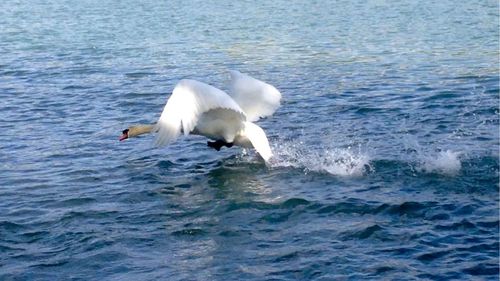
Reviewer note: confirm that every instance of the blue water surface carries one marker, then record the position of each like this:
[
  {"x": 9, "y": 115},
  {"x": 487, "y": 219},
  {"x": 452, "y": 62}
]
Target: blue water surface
[{"x": 386, "y": 144}]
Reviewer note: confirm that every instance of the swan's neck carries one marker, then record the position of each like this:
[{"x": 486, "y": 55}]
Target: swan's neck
[{"x": 137, "y": 130}]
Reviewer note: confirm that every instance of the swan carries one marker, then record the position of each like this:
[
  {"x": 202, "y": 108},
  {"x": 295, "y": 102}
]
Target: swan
[{"x": 228, "y": 119}]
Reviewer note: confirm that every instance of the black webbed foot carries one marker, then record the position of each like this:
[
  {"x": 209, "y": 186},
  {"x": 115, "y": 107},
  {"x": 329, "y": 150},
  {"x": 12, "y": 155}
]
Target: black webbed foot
[
  {"x": 215, "y": 144},
  {"x": 218, "y": 144}
]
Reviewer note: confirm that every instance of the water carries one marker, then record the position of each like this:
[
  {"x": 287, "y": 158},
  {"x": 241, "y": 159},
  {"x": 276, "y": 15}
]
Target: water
[{"x": 386, "y": 143}]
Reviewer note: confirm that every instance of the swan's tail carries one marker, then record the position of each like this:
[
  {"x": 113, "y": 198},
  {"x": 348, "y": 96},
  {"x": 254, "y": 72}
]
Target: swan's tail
[{"x": 258, "y": 138}]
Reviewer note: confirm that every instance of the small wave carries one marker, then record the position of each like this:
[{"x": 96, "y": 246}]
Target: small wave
[
  {"x": 335, "y": 161},
  {"x": 445, "y": 162}
]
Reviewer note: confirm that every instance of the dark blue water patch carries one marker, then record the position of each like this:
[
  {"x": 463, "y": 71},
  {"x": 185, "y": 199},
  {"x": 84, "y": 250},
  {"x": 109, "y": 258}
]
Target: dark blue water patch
[
  {"x": 189, "y": 232},
  {"x": 75, "y": 87},
  {"x": 303, "y": 273},
  {"x": 443, "y": 95},
  {"x": 33, "y": 236},
  {"x": 475, "y": 178},
  {"x": 51, "y": 263},
  {"x": 233, "y": 233},
  {"x": 276, "y": 217},
  {"x": 409, "y": 209},
  {"x": 7, "y": 226},
  {"x": 404, "y": 251},
  {"x": 429, "y": 257},
  {"x": 493, "y": 90},
  {"x": 17, "y": 237},
  {"x": 483, "y": 269},
  {"x": 349, "y": 207},
  {"x": 249, "y": 205},
  {"x": 425, "y": 89},
  {"x": 489, "y": 224},
  {"x": 462, "y": 225},
  {"x": 369, "y": 110},
  {"x": 19, "y": 73},
  {"x": 165, "y": 164},
  {"x": 370, "y": 232},
  {"x": 86, "y": 215},
  {"x": 480, "y": 248},
  {"x": 293, "y": 203},
  {"x": 383, "y": 269},
  {"x": 465, "y": 210},
  {"x": 438, "y": 217},
  {"x": 138, "y": 75},
  {"x": 451, "y": 275},
  {"x": 483, "y": 111}
]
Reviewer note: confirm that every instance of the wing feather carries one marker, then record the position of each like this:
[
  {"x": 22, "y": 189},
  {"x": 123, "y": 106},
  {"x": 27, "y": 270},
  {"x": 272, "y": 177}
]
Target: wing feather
[
  {"x": 259, "y": 141},
  {"x": 189, "y": 100},
  {"x": 257, "y": 98}
]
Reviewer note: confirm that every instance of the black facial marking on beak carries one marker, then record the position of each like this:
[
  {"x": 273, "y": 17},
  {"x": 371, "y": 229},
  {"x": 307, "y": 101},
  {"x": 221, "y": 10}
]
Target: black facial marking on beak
[{"x": 124, "y": 135}]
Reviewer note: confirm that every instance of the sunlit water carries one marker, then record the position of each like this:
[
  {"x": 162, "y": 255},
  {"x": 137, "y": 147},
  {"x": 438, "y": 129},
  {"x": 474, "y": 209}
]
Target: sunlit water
[{"x": 386, "y": 143}]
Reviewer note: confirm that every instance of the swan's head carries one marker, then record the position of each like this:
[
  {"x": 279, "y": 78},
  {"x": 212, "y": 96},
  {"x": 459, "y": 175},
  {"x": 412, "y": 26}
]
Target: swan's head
[
  {"x": 134, "y": 131},
  {"x": 124, "y": 135}
]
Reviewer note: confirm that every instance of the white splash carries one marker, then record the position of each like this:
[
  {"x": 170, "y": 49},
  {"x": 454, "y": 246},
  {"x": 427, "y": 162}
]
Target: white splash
[
  {"x": 445, "y": 162},
  {"x": 335, "y": 161}
]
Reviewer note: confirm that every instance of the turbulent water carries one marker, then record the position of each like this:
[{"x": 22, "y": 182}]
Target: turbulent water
[{"x": 386, "y": 143}]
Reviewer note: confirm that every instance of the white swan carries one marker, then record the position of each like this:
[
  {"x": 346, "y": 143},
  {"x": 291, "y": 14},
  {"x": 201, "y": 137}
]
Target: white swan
[{"x": 198, "y": 108}]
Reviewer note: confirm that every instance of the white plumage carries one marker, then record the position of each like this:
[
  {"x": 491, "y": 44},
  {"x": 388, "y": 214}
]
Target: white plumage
[
  {"x": 257, "y": 99},
  {"x": 198, "y": 108}
]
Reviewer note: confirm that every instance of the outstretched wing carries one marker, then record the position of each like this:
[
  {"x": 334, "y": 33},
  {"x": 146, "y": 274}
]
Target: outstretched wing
[
  {"x": 188, "y": 101},
  {"x": 256, "y": 98},
  {"x": 259, "y": 141}
]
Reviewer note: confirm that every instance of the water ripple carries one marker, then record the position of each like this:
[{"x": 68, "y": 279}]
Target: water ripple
[{"x": 386, "y": 145}]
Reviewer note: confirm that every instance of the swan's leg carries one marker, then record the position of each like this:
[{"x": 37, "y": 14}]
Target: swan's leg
[
  {"x": 215, "y": 144},
  {"x": 218, "y": 144}
]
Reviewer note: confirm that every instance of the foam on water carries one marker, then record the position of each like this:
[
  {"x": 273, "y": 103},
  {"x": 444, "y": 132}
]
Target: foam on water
[
  {"x": 332, "y": 160},
  {"x": 445, "y": 162},
  {"x": 431, "y": 158}
]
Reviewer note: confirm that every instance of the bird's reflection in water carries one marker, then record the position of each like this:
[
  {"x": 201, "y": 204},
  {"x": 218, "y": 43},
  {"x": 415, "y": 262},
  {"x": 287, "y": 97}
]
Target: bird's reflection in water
[{"x": 240, "y": 181}]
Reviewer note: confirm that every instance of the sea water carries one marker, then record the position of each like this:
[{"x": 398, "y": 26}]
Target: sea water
[{"x": 386, "y": 142}]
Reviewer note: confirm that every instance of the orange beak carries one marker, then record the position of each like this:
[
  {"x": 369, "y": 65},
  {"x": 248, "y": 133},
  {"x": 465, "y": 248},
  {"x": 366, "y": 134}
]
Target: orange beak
[{"x": 124, "y": 136}]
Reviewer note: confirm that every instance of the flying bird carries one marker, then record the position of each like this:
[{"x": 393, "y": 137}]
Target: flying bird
[{"x": 227, "y": 119}]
